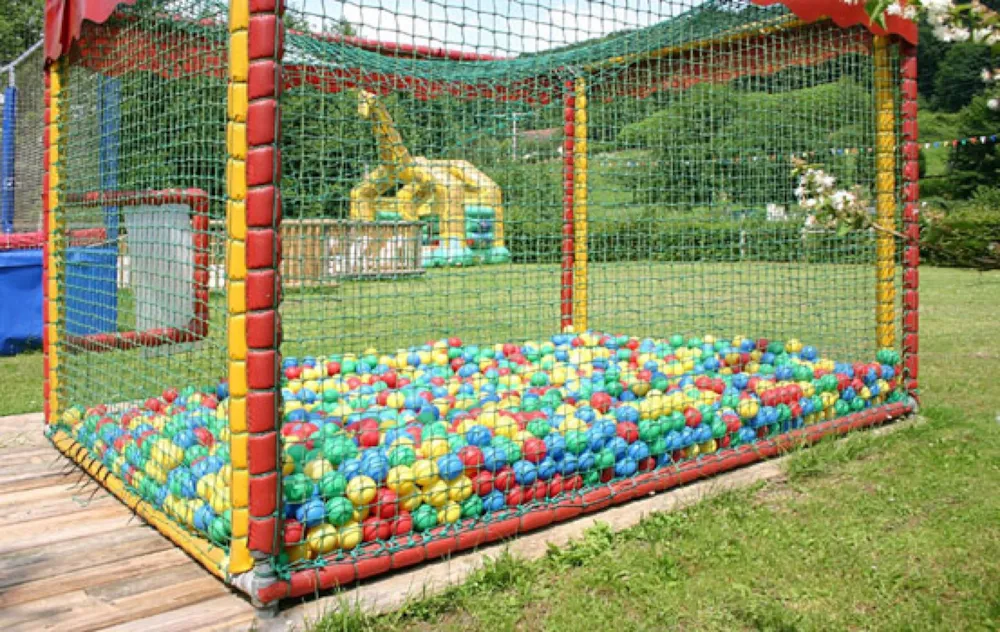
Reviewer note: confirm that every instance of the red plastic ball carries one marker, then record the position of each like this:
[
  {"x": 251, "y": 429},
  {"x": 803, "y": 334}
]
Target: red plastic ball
[
  {"x": 628, "y": 431},
  {"x": 482, "y": 482},
  {"x": 534, "y": 450},
  {"x": 472, "y": 458},
  {"x": 515, "y": 496},
  {"x": 504, "y": 479},
  {"x": 386, "y": 504}
]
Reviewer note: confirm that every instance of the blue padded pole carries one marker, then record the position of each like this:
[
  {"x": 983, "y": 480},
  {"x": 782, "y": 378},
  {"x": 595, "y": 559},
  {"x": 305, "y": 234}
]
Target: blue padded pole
[
  {"x": 7, "y": 159},
  {"x": 110, "y": 118}
]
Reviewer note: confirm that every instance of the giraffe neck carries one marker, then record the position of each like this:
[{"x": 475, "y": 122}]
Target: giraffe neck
[{"x": 391, "y": 149}]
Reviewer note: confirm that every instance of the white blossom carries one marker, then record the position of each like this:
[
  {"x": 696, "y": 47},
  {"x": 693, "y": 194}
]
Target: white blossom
[{"x": 993, "y": 104}]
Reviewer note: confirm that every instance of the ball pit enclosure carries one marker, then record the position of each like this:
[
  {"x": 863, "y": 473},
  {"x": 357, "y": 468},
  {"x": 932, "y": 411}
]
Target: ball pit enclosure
[{"x": 296, "y": 432}]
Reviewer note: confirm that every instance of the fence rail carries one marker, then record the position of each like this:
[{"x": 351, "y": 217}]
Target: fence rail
[{"x": 320, "y": 252}]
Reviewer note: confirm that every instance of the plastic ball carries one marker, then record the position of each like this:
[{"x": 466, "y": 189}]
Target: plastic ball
[{"x": 361, "y": 490}]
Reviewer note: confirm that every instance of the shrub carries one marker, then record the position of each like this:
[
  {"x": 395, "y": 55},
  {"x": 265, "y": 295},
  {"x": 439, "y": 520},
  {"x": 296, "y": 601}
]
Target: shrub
[{"x": 967, "y": 236}]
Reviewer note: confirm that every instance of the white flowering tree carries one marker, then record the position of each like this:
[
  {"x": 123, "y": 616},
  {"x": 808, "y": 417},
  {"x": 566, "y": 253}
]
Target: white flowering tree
[
  {"x": 951, "y": 22},
  {"x": 829, "y": 208}
]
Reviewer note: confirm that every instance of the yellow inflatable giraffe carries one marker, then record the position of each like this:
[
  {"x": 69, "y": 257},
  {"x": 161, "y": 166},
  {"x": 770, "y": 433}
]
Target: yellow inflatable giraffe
[{"x": 421, "y": 188}]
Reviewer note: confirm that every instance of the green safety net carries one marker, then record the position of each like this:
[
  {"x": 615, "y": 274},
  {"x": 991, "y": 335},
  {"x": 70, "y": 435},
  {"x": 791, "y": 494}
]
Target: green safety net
[
  {"x": 140, "y": 253},
  {"x": 485, "y": 308},
  {"x": 429, "y": 388}
]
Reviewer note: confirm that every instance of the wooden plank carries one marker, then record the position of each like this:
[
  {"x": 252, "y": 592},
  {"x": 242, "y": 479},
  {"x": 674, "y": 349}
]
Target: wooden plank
[
  {"x": 66, "y": 505},
  {"x": 110, "y": 604},
  {"x": 90, "y": 522},
  {"x": 222, "y": 613},
  {"x": 126, "y": 567},
  {"x": 22, "y": 440},
  {"x": 70, "y": 491},
  {"x": 14, "y": 423},
  {"x": 34, "y": 463},
  {"x": 71, "y": 555},
  {"x": 54, "y": 477}
]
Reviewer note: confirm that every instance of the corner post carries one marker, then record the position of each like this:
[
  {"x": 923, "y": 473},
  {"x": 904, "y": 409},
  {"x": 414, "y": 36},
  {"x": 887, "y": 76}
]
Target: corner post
[
  {"x": 885, "y": 191},
  {"x": 52, "y": 267},
  {"x": 569, "y": 207},
  {"x": 580, "y": 258},
  {"x": 911, "y": 220}
]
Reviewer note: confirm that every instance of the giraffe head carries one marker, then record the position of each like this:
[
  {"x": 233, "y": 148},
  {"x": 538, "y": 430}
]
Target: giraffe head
[{"x": 366, "y": 104}]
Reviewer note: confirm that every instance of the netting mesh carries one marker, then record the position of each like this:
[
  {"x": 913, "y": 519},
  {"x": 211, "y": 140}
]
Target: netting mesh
[
  {"x": 531, "y": 254},
  {"x": 643, "y": 153},
  {"x": 140, "y": 234},
  {"x": 21, "y": 125}
]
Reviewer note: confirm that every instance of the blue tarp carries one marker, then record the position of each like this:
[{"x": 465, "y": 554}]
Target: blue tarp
[{"x": 20, "y": 300}]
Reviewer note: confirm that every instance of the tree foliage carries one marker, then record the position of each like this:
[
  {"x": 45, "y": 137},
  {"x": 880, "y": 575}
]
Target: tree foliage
[{"x": 21, "y": 25}]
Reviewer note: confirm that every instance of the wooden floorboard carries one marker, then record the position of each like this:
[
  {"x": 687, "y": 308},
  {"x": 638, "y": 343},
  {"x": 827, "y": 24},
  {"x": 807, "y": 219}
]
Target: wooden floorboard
[{"x": 72, "y": 557}]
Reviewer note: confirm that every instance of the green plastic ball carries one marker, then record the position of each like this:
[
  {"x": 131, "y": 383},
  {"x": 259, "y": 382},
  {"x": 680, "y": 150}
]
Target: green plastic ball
[
  {"x": 339, "y": 511},
  {"x": 424, "y": 518},
  {"x": 332, "y": 484}
]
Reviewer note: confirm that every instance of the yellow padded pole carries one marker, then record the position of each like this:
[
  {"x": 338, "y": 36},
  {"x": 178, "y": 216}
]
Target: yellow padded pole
[
  {"x": 240, "y": 560},
  {"x": 580, "y": 262},
  {"x": 51, "y": 315},
  {"x": 885, "y": 190}
]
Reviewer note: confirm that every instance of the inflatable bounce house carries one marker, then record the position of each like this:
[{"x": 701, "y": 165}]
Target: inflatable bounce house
[
  {"x": 460, "y": 203},
  {"x": 295, "y": 437}
]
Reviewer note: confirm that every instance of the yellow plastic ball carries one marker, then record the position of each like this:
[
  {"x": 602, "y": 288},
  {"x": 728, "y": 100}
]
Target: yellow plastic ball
[
  {"x": 437, "y": 495},
  {"x": 411, "y": 502},
  {"x": 395, "y": 400},
  {"x": 316, "y": 468},
  {"x": 449, "y": 513},
  {"x": 297, "y": 552},
  {"x": 361, "y": 490},
  {"x": 748, "y": 408},
  {"x": 401, "y": 480},
  {"x": 460, "y": 489},
  {"x": 435, "y": 448},
  {"x": 322, "y": 539},
  {"x": 350, "y": 535},
  {"x": 425, "y": 473}
]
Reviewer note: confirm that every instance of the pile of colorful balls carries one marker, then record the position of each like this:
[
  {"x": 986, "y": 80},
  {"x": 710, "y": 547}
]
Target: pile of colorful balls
[{"x": 380, "y": 446}]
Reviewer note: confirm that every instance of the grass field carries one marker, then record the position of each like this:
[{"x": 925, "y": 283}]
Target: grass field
[
  {"x": 822, "y": 304},
  {"x": 892, "y": 532}
]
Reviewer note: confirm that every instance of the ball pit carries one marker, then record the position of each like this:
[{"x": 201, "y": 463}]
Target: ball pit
[{"x": 377, "y": 447}]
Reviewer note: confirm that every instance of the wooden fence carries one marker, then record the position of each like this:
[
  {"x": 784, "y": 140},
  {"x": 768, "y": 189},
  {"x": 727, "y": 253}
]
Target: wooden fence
[{"x": 321, "y": 252}]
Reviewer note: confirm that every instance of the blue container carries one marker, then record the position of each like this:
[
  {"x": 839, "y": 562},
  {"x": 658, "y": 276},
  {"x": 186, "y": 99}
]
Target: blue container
[
  {"x": 91, "y": 290},
  {"x": 20, "y": 300}
]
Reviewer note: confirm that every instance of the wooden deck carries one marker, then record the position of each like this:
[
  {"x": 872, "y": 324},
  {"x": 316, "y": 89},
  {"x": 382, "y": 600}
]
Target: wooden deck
[{"x": 72, "y": 557}]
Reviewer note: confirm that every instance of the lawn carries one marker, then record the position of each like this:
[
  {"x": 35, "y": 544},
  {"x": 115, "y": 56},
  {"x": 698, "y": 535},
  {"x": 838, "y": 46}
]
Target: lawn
[{"x": 898, "y": 531}]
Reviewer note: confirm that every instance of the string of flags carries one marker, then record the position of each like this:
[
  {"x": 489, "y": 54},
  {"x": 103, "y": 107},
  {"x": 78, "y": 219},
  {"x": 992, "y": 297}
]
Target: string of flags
[
  {"x": 778, "y": 156},
  {"x": 974, "y": 140}
]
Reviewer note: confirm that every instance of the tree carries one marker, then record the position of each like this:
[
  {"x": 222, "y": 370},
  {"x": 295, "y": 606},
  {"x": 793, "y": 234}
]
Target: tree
[
  {"x": 974, "y": 164},
  {"x": 959, "y": 76},
  {"x": 929, "y": 55},
  {"x": 21, "y": 25}
]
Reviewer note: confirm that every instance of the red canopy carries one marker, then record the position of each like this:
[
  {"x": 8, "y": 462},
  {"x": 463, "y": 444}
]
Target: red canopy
[
  {"x": 64, "y": 18},
  {"x": 845, "y": 13}
]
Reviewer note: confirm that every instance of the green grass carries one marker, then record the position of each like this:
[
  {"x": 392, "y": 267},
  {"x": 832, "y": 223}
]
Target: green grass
[
  {"x": 898, "y": 531},
  {"x": 21, "y": 384},
  {"x": 938, "y": 126},
  {"x": 824, "y": 305}
]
